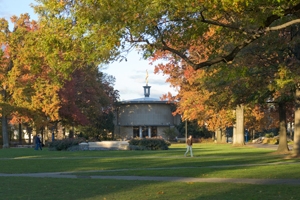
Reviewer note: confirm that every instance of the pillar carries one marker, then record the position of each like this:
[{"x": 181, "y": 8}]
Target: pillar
[
  {"x": 141, "y": 132},
  {"x": 149, "y": 131}
]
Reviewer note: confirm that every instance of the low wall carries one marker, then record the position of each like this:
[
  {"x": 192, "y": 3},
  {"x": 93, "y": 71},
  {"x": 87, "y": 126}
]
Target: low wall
[{"x": 104, "y": 145}]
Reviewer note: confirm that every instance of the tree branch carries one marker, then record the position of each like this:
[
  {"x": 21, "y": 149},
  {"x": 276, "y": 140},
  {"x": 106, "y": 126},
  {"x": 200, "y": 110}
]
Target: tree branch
[
  {"x": 282, "y": 26},
  {"x": 230, "y": 57},
  {"x": 204, "y": 20},
  {"x": 273, "y": 18},
  {"x": 176, "y": 52}
]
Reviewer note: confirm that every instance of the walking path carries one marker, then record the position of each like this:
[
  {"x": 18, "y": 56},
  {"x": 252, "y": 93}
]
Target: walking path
[
  {"x": 160, "y": 178},
  {"x": 175, "y": 179}
]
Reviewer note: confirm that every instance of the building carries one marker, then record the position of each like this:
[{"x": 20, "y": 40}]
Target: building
[{"x": 144, "y": 117}]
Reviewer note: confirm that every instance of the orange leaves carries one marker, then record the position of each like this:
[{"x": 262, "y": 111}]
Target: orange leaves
[
  {"x": 27, "y": 78},
  {"x": 194, "y": 98},
  {"x": 19, "y": 117},
  {"x": 189, "y": 74},
  {"x": 46, "y": 99}
]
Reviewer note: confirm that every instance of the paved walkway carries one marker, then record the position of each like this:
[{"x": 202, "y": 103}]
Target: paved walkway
[{"x": 160, "y": 178}]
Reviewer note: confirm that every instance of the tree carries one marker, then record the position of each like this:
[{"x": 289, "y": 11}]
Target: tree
[
  {"x": 194, "y": 129},
  {"x": 87, "y": 101},
  {"x": 107, "y": 26},
  {"x": 30, "y": 78},
  {"x": 194, "y": 99},
  {"x": 275, "y": 61},
  {"x": 171, "y": 26},
  {"x": 15, "y": 79},
  {"x": 267, "y": 69},
  {"x": 27, "y": 89}
]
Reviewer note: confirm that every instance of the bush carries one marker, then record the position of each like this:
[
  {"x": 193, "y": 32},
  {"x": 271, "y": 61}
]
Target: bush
[
  {"x": 65, "y": 144},
  {"x": 270, "y": 141},
  {"x": 269, "y": 135},
  {"x": 170, "y": 133},
  {"x": 205, "y": 140},
  {"x": 148, "y": 144}
]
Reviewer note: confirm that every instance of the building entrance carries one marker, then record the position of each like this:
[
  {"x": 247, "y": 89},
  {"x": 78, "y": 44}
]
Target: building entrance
[{"x": 144, "y": 131}]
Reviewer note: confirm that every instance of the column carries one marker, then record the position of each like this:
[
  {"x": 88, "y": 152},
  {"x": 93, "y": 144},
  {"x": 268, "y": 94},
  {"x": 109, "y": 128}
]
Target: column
[
  {"x": 149, "y": 131},
  {"x": 141, "y": 132}
]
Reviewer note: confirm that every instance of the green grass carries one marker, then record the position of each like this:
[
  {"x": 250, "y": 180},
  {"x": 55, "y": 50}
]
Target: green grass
[
  {"x": 90, "y": 189},
  {"x": 210, "y": 161}
]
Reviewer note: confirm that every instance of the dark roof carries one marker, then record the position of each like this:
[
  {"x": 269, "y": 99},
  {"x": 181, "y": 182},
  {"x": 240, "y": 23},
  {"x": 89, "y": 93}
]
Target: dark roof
[{"x": 143, "y": 101}]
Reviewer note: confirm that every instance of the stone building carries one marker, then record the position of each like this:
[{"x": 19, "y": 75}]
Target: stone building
[{"x": 144, "y": 117}]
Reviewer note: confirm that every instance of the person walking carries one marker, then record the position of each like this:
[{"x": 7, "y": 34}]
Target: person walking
[
  {"x": 189, "y": 143},
  {"x": 38, "y": 143}
]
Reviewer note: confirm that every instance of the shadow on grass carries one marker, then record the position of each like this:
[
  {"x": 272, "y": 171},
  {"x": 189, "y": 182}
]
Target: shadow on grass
[
  {"x": 211, "y": 156},
  {"x": 49, "y": 188}
]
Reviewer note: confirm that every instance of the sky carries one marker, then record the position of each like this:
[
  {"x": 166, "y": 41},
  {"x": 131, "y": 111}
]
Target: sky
[{"x": 130, "y": 76}]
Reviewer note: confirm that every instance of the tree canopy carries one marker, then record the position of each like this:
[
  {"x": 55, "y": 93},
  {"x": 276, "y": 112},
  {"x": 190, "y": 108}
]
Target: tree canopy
[
  {"x": 111, "y": 27},
  {"x": 194, "y": 33},
  {"x": 36, "y": 73}
]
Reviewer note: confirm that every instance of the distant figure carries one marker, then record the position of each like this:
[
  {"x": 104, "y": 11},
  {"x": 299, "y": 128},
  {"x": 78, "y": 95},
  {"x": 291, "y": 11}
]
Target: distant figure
[
  {"x": 189, "y": 143},
  {"x": 38, "y": 143}
]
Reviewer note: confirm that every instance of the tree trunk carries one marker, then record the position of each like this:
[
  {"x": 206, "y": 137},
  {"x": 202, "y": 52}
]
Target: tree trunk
[
  {"x": 4, "y": 132},
  {"x": 234, "y": 133},
  {"x": 296, "y": 146},
  {"x": 224, "y": 136},
  {"x": 20, "y": 134},
  {"x": 218, "y": 135},
  {"x": 253, "y": 134},
  {"x": 239, "y": 138},
  {"x": 29, "y": 132},
  {"x": 29, "y": 136},
  {"x": 42, "y": 134},
  {"x": 282, "y": 147},
  {"x": 71, "y": 132}
]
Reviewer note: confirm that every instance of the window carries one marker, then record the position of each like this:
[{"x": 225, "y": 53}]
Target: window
[
  {"x": 153, "y": 131},
  {"x": 145, "y": 131},
  {"x": 136, "y": 131}
]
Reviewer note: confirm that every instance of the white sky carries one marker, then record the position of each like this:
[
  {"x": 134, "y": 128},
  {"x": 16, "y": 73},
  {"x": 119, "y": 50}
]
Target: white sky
[{"x": 130, "y": 76}]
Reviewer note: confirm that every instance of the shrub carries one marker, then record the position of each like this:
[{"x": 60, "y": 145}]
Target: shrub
[
  {"x": 148, "y": 144},
  {"x": 269, "y": 135},
  {"x": 65, "y": 144},
  {"x": 170, "y": 133},
  {"x": 270, "y": 141},
  {"x": 205, "y": 140}
]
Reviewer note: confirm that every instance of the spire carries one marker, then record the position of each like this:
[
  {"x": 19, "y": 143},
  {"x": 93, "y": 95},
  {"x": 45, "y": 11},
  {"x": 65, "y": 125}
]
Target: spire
[
  {"x": 147, "y": 88},
  {"x": 147, "y": 76}
]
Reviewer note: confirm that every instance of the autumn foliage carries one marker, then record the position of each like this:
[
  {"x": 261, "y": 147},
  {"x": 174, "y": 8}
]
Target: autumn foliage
[{"x": 42, "y": 85}]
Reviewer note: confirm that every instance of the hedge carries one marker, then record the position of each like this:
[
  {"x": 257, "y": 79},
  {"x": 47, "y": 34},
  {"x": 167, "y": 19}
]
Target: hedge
[{"x": 148, "y": 144}]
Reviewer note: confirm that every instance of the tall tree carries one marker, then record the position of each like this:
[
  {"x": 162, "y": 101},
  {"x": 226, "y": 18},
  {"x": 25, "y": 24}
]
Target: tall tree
[
  {"x": 194, "y": 101},
  {"x": 14, "y": 71},
  {"x": 30, "y": 83},
  {"x": 87, "y": 99}
]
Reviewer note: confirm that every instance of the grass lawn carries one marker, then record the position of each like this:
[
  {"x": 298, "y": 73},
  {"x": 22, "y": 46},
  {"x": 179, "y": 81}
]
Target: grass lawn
[{"x": 210, "y": 161}]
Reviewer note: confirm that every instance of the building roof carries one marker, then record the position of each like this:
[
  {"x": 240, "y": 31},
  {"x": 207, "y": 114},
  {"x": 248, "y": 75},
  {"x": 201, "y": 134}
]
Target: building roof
[{"x": 143, "y": 100}]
